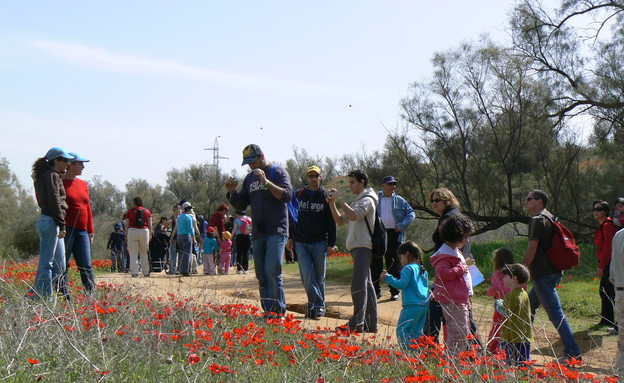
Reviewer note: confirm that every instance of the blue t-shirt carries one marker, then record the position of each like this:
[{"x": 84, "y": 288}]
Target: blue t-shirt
[
  {"x": 185, "y": 225},
  {"x": 211, "y": 246},
  {"x": 413, "y": 283}
]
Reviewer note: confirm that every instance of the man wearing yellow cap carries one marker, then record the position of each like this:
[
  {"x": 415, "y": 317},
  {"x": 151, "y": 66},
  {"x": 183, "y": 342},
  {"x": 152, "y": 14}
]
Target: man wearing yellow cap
[{"x": 314, "y": 237}]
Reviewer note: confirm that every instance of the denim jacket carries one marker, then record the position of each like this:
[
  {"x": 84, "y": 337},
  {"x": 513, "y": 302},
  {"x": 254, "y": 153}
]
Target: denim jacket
[{"x": 402, "y": 212}]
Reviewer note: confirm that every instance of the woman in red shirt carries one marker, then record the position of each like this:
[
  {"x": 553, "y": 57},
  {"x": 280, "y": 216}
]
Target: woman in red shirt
[
  {"x": 79, "y": 221},
  {"x": 603, "y": 238},
  {"x": 218, "y": 219}
]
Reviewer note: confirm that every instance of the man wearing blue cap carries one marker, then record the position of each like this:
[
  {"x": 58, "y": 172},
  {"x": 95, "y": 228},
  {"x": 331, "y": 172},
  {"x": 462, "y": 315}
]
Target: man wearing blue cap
[
  {"x": 396, "y": 215},
  {"x": 267, "y": 190}
]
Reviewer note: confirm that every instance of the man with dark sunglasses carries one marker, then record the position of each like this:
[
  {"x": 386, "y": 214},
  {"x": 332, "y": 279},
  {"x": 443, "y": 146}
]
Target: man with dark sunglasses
[{"x": 544, "y": 274}]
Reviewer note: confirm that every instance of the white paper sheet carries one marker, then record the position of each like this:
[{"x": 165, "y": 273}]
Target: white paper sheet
[{"x": 476, "y": 275}]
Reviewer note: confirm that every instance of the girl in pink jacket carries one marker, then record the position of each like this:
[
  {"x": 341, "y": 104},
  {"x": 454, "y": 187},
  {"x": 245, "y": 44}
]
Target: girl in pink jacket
[{"x": 451, "y": 283}]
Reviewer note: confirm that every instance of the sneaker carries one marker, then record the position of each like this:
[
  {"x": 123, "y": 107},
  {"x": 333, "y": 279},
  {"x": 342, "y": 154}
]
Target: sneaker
[
  {"x": 239, "y": 271},
  {"x": 135, "y": 275},
  {"x": 612, "y": 331},
  {"x": 395, "y": 297}
]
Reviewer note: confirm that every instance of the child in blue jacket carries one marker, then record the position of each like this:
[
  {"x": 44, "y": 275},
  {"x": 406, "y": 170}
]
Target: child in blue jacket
[{"x": 414, "y": 284}]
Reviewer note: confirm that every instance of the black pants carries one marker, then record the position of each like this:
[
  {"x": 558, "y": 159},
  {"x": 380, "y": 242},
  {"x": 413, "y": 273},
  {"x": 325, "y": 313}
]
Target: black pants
[
  {"x": 607, "y": 296},
  {"x": 393, "y": 265},
  {"x": 243, "y": 243}
]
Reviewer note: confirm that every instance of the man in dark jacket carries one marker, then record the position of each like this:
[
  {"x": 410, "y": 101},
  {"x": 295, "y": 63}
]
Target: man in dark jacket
[
  {"x": 314, "y": 238},
  {"x": 267, "y": 190}
]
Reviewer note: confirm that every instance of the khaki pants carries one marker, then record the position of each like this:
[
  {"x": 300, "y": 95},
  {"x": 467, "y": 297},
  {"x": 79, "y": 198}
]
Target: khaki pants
[{"x": 137, "y": 246}]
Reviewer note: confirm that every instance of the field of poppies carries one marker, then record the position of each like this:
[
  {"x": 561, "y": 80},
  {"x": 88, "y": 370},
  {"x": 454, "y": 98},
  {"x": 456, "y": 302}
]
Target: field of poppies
[{"x": 121, "y": 336}]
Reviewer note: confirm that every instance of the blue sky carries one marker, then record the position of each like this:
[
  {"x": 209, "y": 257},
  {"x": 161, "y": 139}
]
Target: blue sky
[{"x": 143, "y": 87}]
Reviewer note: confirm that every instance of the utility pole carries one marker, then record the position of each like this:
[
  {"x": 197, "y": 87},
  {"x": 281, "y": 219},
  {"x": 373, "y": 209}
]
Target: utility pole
[{"x": 215, "y": 153}]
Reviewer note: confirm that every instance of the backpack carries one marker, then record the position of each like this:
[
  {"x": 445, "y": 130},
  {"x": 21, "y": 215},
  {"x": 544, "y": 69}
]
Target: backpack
[
  {"x": 563, "y": 253},
  {"x": 138, "y": 217},
  {"x": 293, "y": 204},
  {"x": 378, "y": 234},
  {"x": 245, "y": 226}
]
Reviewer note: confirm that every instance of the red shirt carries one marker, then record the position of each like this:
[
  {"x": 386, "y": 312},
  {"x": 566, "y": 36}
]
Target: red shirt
[
  {"x": 131, "y": 217},
  {"x": 603, "y": 239},
  {"x": 79, "y": 214}
]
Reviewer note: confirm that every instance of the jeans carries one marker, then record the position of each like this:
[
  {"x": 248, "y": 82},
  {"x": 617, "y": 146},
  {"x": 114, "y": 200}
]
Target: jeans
[
  {"x": 411, "y": 323},
  {"x": 312, "y": 266},
  {"x": 173, "y": 258},
  {"x": 185, "y": 243},
  {"x": 51, "y": 258},
  {"x": 77, "y": 242},
  {"x": 544, "y": 292},
  {"x": 517, "y": 353},
  {"x": 268, "y": 257}
]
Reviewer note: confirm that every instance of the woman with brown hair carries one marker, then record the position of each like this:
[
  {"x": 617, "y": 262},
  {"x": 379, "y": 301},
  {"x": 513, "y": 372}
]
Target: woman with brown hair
[{"x": 50, "y": 193}]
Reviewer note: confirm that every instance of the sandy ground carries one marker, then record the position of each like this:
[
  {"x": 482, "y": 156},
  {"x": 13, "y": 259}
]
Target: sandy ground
[{"x": 597, "y": 346}]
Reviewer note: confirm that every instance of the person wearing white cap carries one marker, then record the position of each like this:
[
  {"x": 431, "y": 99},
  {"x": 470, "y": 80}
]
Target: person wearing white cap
[
  {"x": 50, "y": 193},
  {"x": 79, "y": 224}
]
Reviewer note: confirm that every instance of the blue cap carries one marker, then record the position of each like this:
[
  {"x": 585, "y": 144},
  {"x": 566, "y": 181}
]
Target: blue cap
[
  {"x": 77, "y": 157},
  {"x": 250, "y": 154},
  {"x": 57, "y": 152},
  {"x": 388, "y": 180}
]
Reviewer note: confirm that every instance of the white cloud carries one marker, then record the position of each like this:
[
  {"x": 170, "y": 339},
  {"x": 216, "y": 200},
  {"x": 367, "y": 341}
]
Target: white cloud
[{"x": 99, "y": 58}]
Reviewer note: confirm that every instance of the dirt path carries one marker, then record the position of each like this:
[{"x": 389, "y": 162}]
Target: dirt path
[{"x": 598, "y": 348}]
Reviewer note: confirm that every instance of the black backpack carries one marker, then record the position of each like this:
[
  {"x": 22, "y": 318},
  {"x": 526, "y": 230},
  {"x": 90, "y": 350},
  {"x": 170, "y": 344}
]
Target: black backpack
[
  {"x": 378, "y": 234},
  {"x": 139, "y": 220}
]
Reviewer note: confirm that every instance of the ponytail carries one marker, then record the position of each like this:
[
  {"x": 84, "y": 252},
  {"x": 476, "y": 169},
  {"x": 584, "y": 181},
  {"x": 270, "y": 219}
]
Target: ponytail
[
  {"x": 414, "y": 252},
  {"x": 39, "y": 167}
]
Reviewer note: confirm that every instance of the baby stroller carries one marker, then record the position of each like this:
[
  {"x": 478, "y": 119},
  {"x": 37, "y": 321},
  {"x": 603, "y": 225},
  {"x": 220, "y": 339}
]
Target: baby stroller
[{"x": 158, "y": 251}]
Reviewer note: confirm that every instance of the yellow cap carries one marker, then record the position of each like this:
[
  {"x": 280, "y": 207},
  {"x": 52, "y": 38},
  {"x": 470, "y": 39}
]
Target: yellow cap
[{"x": 313, "y": 168}]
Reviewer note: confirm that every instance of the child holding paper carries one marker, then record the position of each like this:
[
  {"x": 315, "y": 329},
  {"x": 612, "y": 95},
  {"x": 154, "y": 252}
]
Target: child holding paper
[{"x": 452, "y": 283}]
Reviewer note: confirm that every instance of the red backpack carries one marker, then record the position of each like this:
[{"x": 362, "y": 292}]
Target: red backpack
[{"x": 563, "y": 252}]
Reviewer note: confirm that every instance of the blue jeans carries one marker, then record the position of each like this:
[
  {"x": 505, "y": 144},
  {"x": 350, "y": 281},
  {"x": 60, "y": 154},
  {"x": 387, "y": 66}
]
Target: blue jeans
[
  {"x": 78, "y": 243},
  {"x": 268, "y": 258},
  {"x": 312, "y": 265},
  {"x": 185, "y": 243},
  {"x": 544, "y": 292},
  {"x": 51, "y": 258},
  {"x": 173, "y": 257}
]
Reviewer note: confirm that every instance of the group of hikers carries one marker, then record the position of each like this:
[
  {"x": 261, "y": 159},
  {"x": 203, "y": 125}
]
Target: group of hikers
[{"x": 305, "y": 221}]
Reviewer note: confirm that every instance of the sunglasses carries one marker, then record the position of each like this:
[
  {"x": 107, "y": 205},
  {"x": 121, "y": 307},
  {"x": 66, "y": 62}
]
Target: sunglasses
[
  {"x": 599, "y": 209},
  {"x": 313, "y": 176},
  {"x": 437, "y": 200}
]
